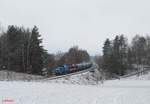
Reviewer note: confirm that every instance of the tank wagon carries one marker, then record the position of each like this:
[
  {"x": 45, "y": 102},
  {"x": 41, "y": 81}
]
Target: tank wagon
[{"x": 66, "y": 69}]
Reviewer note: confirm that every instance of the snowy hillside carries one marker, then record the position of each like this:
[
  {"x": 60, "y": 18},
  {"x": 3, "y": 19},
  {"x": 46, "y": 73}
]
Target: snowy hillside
[
  {"x": 143, "y": 76},
  {"x": 14, "y": 76},
  {"x": 84, "y": 79}
]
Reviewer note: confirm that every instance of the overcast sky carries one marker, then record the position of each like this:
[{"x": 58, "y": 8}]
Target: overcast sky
[{"x": 86, "y": 23}]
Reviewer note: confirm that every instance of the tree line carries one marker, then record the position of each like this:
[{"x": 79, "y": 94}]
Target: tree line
[
  {"x": 21, "y": 50},
  {"x": 119, "y": 56}
]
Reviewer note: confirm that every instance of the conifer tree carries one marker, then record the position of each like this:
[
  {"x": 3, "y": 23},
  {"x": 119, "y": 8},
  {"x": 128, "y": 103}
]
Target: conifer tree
[
  {"x": 107, "y": 55},
  {"x": 36, "y": 52}
]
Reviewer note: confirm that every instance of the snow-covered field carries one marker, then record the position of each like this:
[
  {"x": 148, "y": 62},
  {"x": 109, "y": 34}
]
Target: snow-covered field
[
  {"x": 76, "y": 89},
  {"x": 111, "y": 92}
]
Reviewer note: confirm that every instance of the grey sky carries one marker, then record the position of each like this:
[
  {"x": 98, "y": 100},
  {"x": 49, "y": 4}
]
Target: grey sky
[{"x": 86, "y": 23}]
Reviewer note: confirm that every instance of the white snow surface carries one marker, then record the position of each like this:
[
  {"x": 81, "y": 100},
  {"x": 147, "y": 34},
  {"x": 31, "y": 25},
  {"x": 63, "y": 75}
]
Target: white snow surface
[
  {"x": 141, "y": 76},
  {"x": 111, "y": 92},
  {"x": 15, "y": 76},
  {"x": 87, "y": 78},
  {"x": 77, "y": 89}
]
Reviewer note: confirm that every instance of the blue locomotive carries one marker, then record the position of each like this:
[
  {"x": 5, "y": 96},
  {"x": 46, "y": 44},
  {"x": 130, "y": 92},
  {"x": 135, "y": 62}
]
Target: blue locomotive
[{"x": 66, "y": 69}]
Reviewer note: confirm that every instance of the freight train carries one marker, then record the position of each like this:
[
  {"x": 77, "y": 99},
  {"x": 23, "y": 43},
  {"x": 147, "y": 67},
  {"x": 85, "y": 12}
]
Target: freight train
[{"x": 66, "y": 69}]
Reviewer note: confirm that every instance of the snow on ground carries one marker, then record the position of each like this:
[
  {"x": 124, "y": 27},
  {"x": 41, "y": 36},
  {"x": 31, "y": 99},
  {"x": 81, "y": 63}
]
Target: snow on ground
[
  {"x": 141, "y": 76},
  {"x": 84, "y": 79},
  {"x": 9, "y": 75},
  {"x": 111, "y": 92},
  {"x": 77, "y": 89}
]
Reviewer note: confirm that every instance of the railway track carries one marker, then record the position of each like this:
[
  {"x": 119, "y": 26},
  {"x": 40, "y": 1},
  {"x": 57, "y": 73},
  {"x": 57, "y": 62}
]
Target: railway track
[{"x": 75, "y": 73}]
